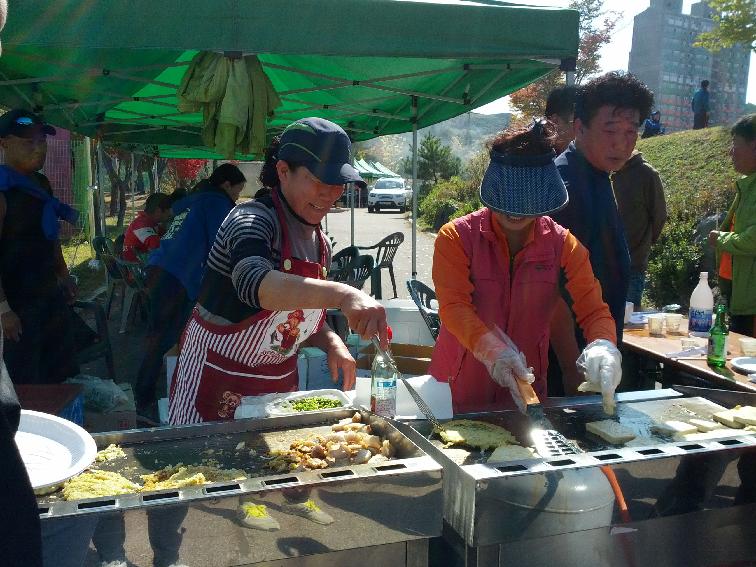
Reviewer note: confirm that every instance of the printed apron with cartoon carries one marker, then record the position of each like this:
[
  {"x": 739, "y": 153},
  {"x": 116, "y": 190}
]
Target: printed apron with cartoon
[{"x": 219, "y": 364}]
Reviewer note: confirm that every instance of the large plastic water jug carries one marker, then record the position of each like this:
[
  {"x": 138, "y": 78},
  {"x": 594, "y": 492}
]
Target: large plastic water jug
[{"x": 701, "y": 308}]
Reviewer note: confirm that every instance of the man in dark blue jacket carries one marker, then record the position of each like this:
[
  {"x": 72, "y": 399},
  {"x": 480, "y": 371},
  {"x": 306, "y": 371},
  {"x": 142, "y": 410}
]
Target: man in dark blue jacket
[
  {"x": 699, "y": 104},
  {"x": 608, "y": 113},
  {"x": 175, "y": 270}
]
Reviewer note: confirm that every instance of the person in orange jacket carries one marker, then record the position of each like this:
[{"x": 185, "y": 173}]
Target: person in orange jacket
[{"x": 496, "y": 272}]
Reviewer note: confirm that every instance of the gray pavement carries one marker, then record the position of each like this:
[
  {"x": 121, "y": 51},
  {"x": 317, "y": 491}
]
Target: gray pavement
[{"x": 370, "y": 228}]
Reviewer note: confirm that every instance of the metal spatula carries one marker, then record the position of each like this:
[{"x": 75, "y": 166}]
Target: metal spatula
[
  {"x": 547, "y": 441},
  {"x": 422, "y": 406}
]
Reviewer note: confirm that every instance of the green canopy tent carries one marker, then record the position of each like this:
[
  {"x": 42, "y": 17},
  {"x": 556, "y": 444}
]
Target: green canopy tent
[
  {"x": 367, "y": 170},
  {"x": 385, "y": 171},
  {"x": 111, "y": 69}
]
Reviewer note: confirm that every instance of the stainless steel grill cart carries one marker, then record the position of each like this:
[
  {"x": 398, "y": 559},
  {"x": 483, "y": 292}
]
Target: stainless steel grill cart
[
  {"x": 685, "y": 499},
  {"x": 382, "y": 514}
]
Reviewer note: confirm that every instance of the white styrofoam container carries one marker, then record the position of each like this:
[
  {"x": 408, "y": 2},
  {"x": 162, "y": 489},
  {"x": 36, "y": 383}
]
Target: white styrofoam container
[
  {"x": 434, "y": 393},
  {"x": 407, "y": 324}
]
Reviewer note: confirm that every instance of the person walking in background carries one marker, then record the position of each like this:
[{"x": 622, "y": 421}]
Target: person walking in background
[
  {"x": 735, "y": 241},
  {"x": 652, "y": 126},
  {"x": 700, "y": 106},
  {"x": 643, "y": 210},
  {"x": 144, "y": 232},
  {"x": 175, "y": 269},
  {"x": 560, "y": 110}
]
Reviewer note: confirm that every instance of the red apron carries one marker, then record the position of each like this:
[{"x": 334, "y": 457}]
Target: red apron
[{"x": 218, "y": 364}]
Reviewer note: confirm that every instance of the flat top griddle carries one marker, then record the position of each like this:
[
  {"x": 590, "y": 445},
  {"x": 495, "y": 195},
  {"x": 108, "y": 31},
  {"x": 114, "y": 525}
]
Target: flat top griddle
[
  {"x": 215, "y": 449},
  {"x": 640, "y": 417}
]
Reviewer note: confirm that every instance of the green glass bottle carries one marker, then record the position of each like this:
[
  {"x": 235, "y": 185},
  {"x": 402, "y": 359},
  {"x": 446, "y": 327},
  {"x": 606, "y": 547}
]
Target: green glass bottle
[{"x": 717, "y": 352}]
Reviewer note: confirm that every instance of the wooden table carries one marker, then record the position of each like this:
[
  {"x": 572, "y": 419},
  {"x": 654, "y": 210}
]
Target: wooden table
[{"x": 639, "y": 341}]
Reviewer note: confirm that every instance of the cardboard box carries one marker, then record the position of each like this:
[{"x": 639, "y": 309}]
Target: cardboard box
[
  {"x": 169, "y": 360},
  {"x": 63, "y": 400},
  {"x": 314, "y": 373},
  {"x": 411, "y": 360},
  {"x": 119, "y": 418}
]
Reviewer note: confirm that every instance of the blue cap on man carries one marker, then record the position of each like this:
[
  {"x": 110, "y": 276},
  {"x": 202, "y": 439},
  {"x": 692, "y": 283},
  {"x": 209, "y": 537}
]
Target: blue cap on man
[
  {"x": 23, "y": 124},
  {"x": 323, "y": 148}
]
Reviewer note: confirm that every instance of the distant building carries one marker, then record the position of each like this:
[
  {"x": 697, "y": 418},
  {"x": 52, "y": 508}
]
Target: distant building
[{"x": 664, "y": 58}]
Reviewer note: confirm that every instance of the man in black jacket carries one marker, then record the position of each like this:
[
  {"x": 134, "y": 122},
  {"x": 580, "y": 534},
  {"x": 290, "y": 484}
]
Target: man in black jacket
[{"x": 20, "y": 542}]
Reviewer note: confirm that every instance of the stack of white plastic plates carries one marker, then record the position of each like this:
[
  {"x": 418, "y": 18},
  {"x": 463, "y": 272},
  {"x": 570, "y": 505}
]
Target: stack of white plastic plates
[{"x": 746, "y": 364}]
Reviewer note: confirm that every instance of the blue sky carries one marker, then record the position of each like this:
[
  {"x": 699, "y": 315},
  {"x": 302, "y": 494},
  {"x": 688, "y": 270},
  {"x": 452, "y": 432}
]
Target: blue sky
[{"x": 615, "y": 55}]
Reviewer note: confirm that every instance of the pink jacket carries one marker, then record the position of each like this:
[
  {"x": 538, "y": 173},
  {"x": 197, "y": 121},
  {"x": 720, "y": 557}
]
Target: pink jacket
[{"x": 519, "y": 299}]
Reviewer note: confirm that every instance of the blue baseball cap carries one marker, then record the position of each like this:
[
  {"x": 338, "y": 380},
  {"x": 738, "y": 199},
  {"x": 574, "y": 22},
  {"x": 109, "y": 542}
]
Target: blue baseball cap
[
  {"x": 24, "y": 124},
  {"x": 323, "y": 148}
]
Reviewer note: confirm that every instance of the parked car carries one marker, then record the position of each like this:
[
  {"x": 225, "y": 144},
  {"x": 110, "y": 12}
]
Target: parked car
[{"x": 389, "y": 192}]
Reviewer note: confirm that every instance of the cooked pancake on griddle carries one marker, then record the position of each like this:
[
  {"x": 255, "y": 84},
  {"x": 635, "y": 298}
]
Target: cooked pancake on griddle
[{"x": 473, "y": 433}]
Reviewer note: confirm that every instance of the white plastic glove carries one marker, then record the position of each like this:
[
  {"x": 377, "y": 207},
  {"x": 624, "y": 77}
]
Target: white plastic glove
[
  {"x": 601, "y": 364},
  {"x": 504, "y": 362}
]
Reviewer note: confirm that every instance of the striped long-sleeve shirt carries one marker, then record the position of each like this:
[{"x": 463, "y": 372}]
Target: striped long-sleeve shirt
[{"x": 246, "y": 248}]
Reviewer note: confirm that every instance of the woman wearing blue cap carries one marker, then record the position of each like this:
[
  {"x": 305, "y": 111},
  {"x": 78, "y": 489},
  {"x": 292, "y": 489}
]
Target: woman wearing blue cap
[
  {"x": 265, "y": 291},
  {"x": 497, "y": 273}
]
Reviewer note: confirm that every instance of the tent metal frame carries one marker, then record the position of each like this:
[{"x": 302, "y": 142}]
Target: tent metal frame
[{"x": 113, "y": 119}]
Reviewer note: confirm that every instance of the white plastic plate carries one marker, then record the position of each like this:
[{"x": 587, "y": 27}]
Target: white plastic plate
[
  {"x": 52, "y": 448},
  {"x": 745, "y": 364},
  {"x": 280, "y": 403}
]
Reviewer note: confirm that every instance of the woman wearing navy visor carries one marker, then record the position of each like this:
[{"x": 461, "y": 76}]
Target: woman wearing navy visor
[{"x": 264, "y": 292}]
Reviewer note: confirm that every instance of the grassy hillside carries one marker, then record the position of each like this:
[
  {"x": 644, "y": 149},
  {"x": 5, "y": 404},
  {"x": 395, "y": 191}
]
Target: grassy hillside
[
  {"x": 698, "y": 181},
  {"x": 696, "y": 170}
]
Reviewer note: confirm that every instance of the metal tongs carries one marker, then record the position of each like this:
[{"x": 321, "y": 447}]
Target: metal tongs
[{"x": 422, "y": 406}]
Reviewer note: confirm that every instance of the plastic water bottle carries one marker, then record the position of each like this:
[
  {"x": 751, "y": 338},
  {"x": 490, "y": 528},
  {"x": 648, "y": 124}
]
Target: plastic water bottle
[
  {"x": 701, "y": 308},
  {"x": 383, "y": 386},
  {"x": 717, "y": 351}
]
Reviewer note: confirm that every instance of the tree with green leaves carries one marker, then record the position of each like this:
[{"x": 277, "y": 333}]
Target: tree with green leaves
[
  {"x": 596, "y": 26},
  {"x": 435, "y": 161},
  {"x": 736, "y": 25}
]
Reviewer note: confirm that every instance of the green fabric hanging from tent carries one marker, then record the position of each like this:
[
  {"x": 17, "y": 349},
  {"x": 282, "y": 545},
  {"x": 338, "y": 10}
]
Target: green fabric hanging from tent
[
  {"x": 112, "y": 69},
  {"x": 235, "y": 97}
]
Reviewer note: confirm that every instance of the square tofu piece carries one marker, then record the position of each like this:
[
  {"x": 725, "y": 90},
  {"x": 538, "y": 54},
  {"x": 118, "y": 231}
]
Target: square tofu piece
[
  {"x": 511, "y": 453},
  {"x": 745, "y": 415},
  {"x": 705, "y": 425},
  {"x": 727, "y": 417},
  {"x": 610, "y": 431},
  {"x": 676, "y": 428}
]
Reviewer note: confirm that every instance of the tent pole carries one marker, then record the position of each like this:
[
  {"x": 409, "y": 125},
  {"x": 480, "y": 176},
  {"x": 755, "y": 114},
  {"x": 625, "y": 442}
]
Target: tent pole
[
  {"x": 101, "y": 192},
  {"x": 155, "y": 174},
  {"x": 133, "y": 186},
  {"x": 351, "y": 205},
  {"x": 414, "y": 188},
  {"x": 568, "y": 65}
]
